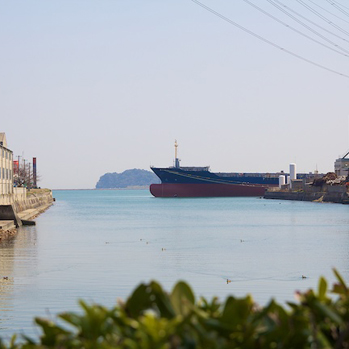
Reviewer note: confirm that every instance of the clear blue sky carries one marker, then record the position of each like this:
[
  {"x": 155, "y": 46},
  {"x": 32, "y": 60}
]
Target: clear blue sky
[{"x": 90, "y": 87}]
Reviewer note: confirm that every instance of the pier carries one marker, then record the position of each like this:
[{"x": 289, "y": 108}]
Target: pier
[
  {"x": 316, "y": 191},
  {"x": 21, "y": 211}
]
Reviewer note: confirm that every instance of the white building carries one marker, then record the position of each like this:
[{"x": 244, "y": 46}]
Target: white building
[
  {"x": 341, "y": 166},
  {"x": 6, "y": 172}
]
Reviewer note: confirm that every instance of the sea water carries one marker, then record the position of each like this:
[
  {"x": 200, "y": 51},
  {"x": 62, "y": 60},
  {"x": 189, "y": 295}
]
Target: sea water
[{"x": 98, "y": 245}]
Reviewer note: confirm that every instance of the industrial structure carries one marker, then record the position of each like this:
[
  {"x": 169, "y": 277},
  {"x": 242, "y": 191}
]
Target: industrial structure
[
  {"x": 330, "y": 187},
  {"x": 14, "y": 178},
  {"x": 341, "y": 166},
  {"x": 6, "y": 171},
  {"x": 18, "y": 202}
]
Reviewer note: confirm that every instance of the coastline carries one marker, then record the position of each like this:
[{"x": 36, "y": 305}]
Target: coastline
[
  {"x": 36, "y": 202},
  {"x": 337, "y": 194},
  {"x": 8, "y": 234}
]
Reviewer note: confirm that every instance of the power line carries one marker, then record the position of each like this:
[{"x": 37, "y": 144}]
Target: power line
[
  {"x": 331, "y": 13},
  {"x": 323, "y": 17},
  {"x": 276, "y": 2},
  {"x": 266, "y": 40},
  {"x": 338, "y": 7},
  {"x": 313, "y": 23},
  {"x": 294, "y": 29},
  {"x": 341, "y": 4}
]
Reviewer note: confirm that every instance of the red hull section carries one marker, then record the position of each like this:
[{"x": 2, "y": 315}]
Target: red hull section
[{"x": 169, "y": 190}]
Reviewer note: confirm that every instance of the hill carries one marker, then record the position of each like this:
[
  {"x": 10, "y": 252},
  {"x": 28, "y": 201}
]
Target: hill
[{"x": 128, "y": 178}]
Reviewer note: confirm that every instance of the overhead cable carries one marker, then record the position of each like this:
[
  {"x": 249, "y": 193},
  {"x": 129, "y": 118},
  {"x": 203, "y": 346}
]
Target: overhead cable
[
  {"x": 276, "y": 2},
  {"x": 331, "y": 13},
  {"x": 338, "y": 7},
  {"x": 310, "y": 21},
  {"x": 323, "y": 17},
  {"x": 266, "y": 40},
  {"x": 340, "y": 4},
  {"x": 295, "y": 30}
]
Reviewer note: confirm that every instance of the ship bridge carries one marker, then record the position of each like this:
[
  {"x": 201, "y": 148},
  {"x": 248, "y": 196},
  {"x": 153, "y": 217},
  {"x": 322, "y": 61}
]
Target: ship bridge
[{"x": 195, "y": 168}]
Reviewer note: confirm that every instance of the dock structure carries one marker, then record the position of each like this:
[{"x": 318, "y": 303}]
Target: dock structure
[
  {"x": 341, "y": 165},
  {"x": 21, "y": 212},
  {"x": 338, "y": 194},
  {"x": 19, "y": 203},
  {"x": 7, "y": 225},
  {"x": 328, "y": 188}
]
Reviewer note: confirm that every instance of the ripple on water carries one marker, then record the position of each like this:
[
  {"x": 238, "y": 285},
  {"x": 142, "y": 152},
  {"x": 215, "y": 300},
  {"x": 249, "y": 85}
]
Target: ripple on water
[{"x": 99, "y": 245}]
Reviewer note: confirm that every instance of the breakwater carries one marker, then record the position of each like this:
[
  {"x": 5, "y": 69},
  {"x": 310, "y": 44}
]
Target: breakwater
[
  {"x": 36, "y": 199},
  {"x": 324, "y": 193},
  {"x": 24, "y": 207}
]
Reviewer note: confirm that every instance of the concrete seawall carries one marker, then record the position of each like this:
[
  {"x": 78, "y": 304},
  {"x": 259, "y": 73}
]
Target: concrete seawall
[
  {"x": 35, "y": 202},
  {"x": 327, "y": 193}
]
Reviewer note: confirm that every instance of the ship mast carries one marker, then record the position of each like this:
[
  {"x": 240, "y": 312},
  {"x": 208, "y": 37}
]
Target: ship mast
[{"x": 176, "y": 158}]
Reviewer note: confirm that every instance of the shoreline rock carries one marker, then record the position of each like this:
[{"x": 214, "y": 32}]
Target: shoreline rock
[{"x": 7, "y": 234}]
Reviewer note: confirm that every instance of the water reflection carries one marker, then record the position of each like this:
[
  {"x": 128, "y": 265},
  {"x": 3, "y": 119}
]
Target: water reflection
[
  {"x": 93, "y": 245},
  {"x": 17, "y": 261},
  {"x": 6, "y": 280}
]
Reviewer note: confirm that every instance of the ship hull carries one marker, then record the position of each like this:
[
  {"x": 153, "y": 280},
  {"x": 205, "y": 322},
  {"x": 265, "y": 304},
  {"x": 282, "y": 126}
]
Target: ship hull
[{"x": 170, "y": 190}]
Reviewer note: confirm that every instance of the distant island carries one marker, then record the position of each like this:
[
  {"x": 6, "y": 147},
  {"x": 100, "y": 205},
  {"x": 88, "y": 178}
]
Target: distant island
[{"x": 126, "y": 179}]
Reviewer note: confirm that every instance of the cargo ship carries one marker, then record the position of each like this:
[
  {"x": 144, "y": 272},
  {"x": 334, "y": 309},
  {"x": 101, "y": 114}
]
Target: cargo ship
[{"x": 178, "y": 181}]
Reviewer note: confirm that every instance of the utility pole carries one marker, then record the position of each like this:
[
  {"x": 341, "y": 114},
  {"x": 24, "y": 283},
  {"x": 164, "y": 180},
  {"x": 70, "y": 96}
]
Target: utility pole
[
  {"x": 24, "y": 174},
  {"x": 29, "y": 176},
  {"x": 34, "y": 174}
]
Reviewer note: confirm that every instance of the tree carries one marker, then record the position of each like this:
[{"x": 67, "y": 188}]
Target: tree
[{"x": 23, "y": 174}]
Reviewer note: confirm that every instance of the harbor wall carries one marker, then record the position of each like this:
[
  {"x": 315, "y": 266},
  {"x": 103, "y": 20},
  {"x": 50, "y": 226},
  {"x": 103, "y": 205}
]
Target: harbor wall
[
  {"x": 26, "y": 206},
  {"x": 7, "y": 213},
  {"x": 325, "y": 193},
  {"x": 35, "y": 199}
]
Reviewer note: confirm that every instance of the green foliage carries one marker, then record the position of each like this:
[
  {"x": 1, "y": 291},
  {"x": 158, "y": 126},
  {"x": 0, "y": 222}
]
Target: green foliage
[{"x": 154, "y": 319}]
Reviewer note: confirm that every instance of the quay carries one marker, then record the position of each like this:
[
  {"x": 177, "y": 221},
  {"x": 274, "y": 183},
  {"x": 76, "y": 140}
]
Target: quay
[
  {"x": 20, "y": 212},
  {"x": 332, "y": 187},
  {"x": 20, "y": 199},
  {"x": 326, "y": 193}
]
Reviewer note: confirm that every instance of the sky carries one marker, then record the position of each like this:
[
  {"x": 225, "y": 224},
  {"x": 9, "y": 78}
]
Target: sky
[{"x": 90, "y": 87}]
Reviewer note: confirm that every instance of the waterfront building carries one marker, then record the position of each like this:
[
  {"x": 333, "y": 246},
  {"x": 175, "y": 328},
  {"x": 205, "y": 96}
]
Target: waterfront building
[
  {"x": 6, "y": 172},
  {"x": 341, "y": 166}
]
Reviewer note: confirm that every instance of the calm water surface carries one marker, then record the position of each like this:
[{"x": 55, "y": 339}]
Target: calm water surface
[{"x": 99, "y": 245}]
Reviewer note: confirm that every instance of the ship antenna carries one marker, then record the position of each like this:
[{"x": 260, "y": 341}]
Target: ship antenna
[{"x": 176, "y": 158}]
